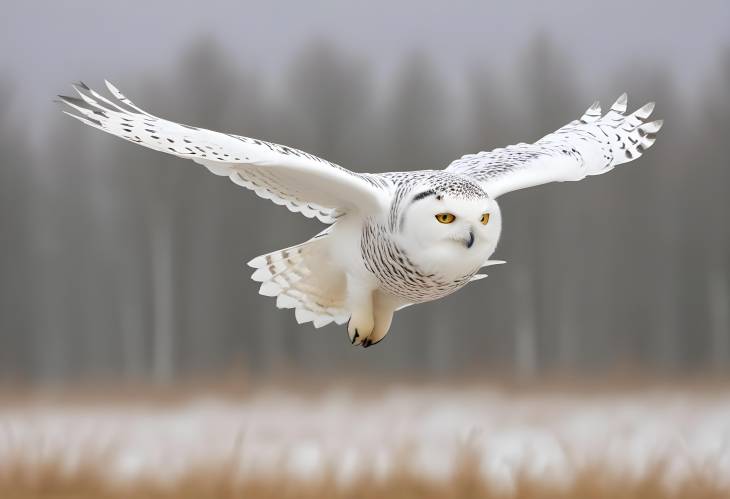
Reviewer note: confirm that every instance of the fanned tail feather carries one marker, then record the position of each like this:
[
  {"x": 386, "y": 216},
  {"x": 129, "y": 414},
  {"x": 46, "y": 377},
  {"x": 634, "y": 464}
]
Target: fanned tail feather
[{"x": 300, "y": 277}]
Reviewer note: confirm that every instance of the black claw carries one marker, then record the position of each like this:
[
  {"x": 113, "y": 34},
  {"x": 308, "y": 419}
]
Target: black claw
[
  {"x": 366, "y": 342},
  {"x": 376, "y": 342},
  {"x": 356, "y": 336}
]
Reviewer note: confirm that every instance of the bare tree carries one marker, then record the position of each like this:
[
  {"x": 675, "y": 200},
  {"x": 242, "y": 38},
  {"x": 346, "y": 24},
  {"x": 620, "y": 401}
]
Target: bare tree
[{"x": 16, "y": 265}]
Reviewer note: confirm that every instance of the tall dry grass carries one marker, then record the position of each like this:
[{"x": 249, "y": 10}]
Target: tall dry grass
[
  {"x": 28, "y": 476},
  {"x": 50, "y": 479}
]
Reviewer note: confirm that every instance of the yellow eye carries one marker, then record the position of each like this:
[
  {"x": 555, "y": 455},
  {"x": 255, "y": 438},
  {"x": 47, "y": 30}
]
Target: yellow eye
[
  {"x": 445, "y": 218},
  {"x": 485, "y": 219}
]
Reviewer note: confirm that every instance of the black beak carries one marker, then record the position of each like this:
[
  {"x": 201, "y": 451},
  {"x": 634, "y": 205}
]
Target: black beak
[{"x": 470, "y": 241}]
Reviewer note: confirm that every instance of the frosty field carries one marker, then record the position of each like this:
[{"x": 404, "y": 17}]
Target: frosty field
[{"x": 432, "y": 436}]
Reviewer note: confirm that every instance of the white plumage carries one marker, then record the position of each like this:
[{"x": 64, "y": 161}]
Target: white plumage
[{"x": 395, "y": 238}]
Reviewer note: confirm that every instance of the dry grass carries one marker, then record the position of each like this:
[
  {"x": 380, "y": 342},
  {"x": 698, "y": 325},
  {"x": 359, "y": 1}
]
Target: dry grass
[
  {"x": 39, "y": 475},
  {"x": 237, "y": 386},
  {"x": 49, "y": 479}
]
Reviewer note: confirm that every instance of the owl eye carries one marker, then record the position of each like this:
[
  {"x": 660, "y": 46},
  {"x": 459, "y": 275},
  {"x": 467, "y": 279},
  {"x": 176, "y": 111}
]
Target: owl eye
[
  {"x": 485, "y": 219},
  {"x": 445, "y": 218}
]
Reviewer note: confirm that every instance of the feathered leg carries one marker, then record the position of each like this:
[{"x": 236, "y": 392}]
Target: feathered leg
[{"x": 360, "y": 305}]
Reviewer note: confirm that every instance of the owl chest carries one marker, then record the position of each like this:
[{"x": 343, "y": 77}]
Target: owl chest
[{"x": 398, "y": 275}]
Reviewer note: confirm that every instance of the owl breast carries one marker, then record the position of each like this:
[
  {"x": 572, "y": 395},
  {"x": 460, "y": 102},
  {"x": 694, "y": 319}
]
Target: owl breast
[{"x": 396, "y": 272}]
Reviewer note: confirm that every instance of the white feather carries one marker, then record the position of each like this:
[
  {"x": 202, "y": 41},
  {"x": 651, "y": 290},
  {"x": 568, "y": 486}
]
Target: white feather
[
  {"x": 590, "y": 146},
  {"x": 328, "y": 278},
  {"x": 300, "y": 181}
]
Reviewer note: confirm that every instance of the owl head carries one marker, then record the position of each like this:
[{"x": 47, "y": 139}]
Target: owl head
[{"x": 449, "y": 227}]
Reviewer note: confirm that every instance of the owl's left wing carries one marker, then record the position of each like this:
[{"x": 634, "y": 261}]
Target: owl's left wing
[
  {"x": 301, "y": 181},
  {"x": 591, "y": 145}
]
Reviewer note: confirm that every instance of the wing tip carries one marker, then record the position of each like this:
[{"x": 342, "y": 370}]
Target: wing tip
[
  {"x": 619, "y": 106},
  {"x": 645, "y": 111},
  {"x": 592, "y": 114},
  {"x": 111, "y": 87},
  {"x": 652, "y": 126}
]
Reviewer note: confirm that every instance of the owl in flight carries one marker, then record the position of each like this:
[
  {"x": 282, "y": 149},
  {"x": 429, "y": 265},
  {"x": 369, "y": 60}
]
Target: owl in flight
[{"x": 393, "y": 239}]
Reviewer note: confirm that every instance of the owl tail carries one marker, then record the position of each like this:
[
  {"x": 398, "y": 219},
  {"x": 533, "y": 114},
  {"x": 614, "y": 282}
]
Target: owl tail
[{"x": 302, "y": 278}]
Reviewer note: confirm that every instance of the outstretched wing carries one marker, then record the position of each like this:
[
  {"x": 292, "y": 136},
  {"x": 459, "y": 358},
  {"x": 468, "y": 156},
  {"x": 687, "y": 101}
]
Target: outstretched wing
[
  {"x": 301, "y": 181},
  {"x": 590, "y": 145}
]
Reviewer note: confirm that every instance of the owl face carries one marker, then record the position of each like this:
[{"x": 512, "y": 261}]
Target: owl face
[{"x": 448, "y": 233}]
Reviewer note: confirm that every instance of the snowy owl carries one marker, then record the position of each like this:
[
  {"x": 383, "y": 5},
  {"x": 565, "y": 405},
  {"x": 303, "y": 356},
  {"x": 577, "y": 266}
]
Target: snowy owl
[{"x": 393, "y": 239}]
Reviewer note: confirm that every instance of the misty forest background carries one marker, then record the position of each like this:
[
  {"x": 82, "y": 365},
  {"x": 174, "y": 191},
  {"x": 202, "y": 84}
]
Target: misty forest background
[{"x": 120, "y": 262}]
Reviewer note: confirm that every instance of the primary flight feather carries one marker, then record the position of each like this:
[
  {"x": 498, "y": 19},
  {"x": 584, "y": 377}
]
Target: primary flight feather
[{"x": 394, "y": 239}]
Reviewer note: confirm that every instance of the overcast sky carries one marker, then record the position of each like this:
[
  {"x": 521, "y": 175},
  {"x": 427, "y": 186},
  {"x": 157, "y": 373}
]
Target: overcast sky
[{"x": 46, "y": 45}]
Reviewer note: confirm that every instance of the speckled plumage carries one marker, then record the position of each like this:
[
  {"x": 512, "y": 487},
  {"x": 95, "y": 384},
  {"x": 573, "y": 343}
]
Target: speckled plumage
[
  {"x": 389, "y": 261},
  {"x": 386, "y": 247}
]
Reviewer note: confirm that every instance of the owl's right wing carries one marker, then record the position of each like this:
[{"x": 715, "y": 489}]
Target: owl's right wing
[
  {"x": 591, "y": 145},
  {"x": 301, "y": 181}
]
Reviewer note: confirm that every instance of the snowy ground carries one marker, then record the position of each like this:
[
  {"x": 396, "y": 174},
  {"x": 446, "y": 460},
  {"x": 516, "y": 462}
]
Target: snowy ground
[{"x": 548, "y": 436}]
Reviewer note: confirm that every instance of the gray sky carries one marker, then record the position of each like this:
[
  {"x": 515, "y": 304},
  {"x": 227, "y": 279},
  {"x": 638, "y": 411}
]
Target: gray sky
[{"x": 46, "y": 45}]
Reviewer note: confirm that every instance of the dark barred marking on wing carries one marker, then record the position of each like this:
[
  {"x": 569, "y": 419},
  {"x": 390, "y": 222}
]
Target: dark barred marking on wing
[
  {"x": 296, "y": 179},
  {"x": 590, "y": 145}
]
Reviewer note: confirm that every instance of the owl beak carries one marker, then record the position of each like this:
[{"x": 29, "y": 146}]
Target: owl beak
[{"x": 470, "y": 241}]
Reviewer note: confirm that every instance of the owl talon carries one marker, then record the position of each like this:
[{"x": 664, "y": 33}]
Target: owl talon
[
  {"x": 358, "y": 330},
  {"x": 376, "y": 341}
]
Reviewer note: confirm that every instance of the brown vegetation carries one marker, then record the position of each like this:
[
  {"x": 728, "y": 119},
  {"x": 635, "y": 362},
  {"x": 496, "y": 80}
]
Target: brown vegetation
[
  {"x": 37, "y": 472},
  {"x": 50, "y": 480}
]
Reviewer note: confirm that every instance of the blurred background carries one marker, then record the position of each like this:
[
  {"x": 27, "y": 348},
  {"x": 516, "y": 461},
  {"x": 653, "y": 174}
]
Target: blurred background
[
  {"x": 119, "y": 263},
  {"x": 122, "y": 267}
]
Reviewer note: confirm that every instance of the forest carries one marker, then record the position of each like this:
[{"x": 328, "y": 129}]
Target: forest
[{"x": 123, "y": 263}]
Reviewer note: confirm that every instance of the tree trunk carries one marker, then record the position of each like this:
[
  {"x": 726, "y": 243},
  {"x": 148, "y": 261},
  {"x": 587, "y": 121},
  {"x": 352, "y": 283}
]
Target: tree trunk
[
  {"x": 162, "y": 293},
  {"x": 525, "y": 331},
  {"x": 719, "y": 303}
]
